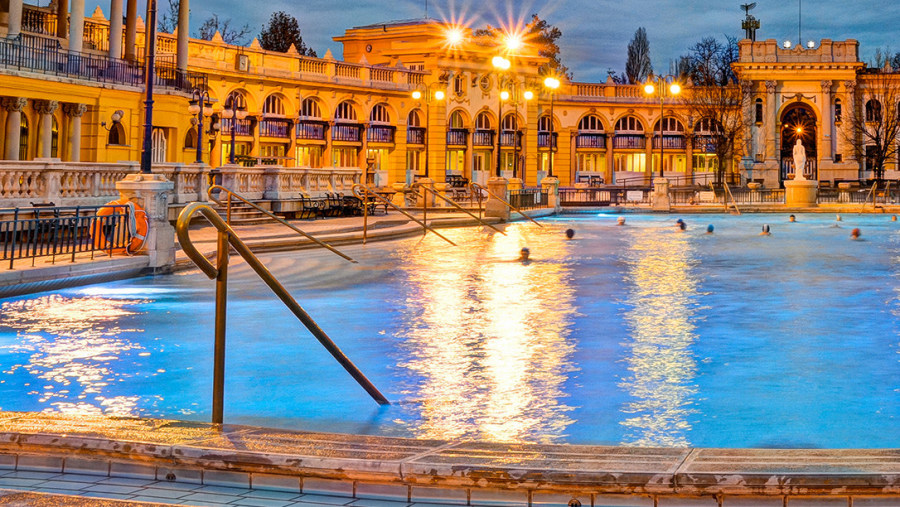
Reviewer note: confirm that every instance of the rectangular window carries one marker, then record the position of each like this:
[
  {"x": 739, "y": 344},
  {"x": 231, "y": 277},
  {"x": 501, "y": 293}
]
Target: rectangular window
[
  {"x": 414, "y": 161},
  {"x": 343, "y": 157},
  {"x": 482, "y": 161},
  {"x": 456, "y": 161},
  {"x": 590, "y": 162},
  {"x": 630, "y": 162},
  {"x": 380, "y": 159},
  {"x": 671, "y": 163},
  {"x": 705, "y": 163},
  {"x": 309, "y": 156}
]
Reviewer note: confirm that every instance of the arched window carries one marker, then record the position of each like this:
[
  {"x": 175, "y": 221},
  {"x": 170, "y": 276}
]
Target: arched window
[
  {"x": 309, "y": 108},
  {"x": 544, "y": 123},
  {"x": 273, "y": 106},
  {"x": 838, "y": 113},
  {"x": 671, "y": 126},
  {"x": 23, "y": 137},
  {"x": 456, "y": 120},
  {"x": 54, "y": 138},
  {"x": 706, "y": 126},
  {"x": 236, "y": 99},
  {"x": 483, "y": 121},
  {"x": 379, "y": 114},
  {"x": 873, "y": 111},
  {"x": 413, "y": 120},
  {"x": 116, "y": 135},
  {"x": 459, "y": 85},
  {"x": 759, "y": 111},
  {"x": 345, "y": 112},
  {"x": 590, "y": 123},
  {"x": 159, "y": 146},
  {"x": 509, "y": 122},
  {"x": 630, "y": 125},
  {"x": 190, "y": 139}
]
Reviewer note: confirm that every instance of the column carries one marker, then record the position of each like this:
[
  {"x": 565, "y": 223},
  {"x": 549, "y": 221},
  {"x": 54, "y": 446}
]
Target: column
[
  {"x": 46, "y": 108},
  {"x": 689, "y": 154},
  {"x": 115, "y": 29},
  {"x": 183, "y": 31},
  {"x": 825, "y": 147},
  {"x": 13, "y": 106},
  {"x": 75, "y": 112},
  {"x": 76, "y": 26},
  {"x": 130, "y": 29},
  {"x": 610, "y": 155},
  {"x": 62, "y": 18},
  {"x": 770, "y": 123},
  {"x": 649, "y": 172},
  {"x": 851, "y": 110},
  {"x": 15, "y": 18}
]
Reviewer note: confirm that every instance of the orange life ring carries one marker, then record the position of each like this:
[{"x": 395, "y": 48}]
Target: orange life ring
[{"x": 105, "y": 232}]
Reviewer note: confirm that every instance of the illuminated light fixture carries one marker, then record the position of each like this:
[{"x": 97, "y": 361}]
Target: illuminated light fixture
[
  {"x": 799, "y": 130},
  {"x": 528, "y": 95},
  {"x": 649, "y": 89},
  {"x": 439, "y": 95},
  {"x": 787, "y": 44},
  {"x": 675, "y": 88},
  {"x": 500, "y": 63},
  {"x": 810, "y": 44},
  {"x": 417, "y": 95},
  {"x": 454, "y": 36},
  {"x": 513, "y": 41},
  {"x": 504, "y": 95},
  {"x": 551, "y": 82}
]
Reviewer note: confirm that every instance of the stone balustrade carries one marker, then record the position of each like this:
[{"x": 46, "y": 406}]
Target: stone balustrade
[{"x": 90, "y": 183}]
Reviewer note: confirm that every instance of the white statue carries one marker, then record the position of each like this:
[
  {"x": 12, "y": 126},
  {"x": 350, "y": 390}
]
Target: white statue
[{"x": 799, "y": 161}]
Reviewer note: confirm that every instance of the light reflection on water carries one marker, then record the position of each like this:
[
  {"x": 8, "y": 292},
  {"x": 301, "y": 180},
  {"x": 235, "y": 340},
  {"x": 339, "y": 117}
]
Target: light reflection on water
[
  {"x": 487, "y": 341},
  {"x": 73, "y": 340},
  {"x": 658, "y": 352}
]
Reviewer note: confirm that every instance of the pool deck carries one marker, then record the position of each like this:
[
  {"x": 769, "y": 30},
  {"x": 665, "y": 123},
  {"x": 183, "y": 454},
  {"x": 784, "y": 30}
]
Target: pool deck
[{"x": 187, "y": 456}]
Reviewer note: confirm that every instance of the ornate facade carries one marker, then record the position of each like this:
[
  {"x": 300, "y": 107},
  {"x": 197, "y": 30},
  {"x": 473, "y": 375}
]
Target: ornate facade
[{"x": 83, "y": 101}]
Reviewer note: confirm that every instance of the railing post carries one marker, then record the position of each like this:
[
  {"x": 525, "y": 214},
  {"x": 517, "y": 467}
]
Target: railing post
[
  {"x": 218, "y": 401},
  {"x": 495, "y": 207},
  {"x": 365, "y": 205},
  {"x": 550, "y": 184},
  {"x": 153, "y": 193}
]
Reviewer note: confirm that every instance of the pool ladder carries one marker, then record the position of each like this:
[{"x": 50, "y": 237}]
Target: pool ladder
[{"x": 226, "y": 239}]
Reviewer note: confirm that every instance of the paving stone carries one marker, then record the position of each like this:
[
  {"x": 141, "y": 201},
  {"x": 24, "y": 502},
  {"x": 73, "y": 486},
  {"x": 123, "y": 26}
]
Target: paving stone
[
  {"x": 275, "y": 495},
  {"x": 28, "y": 474},
  {"x": 7, "y": 462},
  {"x": 395, "y": 492},
  {"x": 371, "y": 502},
  {"x": 14, "y": 483},
  {"x": 151, "y": 499},
  {"x": 163, "y": 493},
  {"x": 275, "y": 482},
  {"x": 127, "y": 481},
  {"x": 40, "y": 463},
  {"x": 327, "y": 487},
  {"x": 261, "y": 502},
  {"x": 442, "y": 495},
  {"x": 86, "y": 466},
  {"x": 481, "y": 496},
  {"x": 132, "y": 470},
  {"x": 324, "y": 499},
  {"x": 111, "y": 488},
  {"x": 177, "y": 486},
  {"x": 223, "y": 490},
  {"x": 229, "y": 479},
  {"x": 103, "y": 494},
  {"x": 67, "y": 485},
  {"x": 208, "y": 497}
]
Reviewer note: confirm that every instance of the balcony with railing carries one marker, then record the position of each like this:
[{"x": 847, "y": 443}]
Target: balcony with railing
[
  {"x": 511, "y": 139},
  {"x": 351, "y": 133},
  {"x": 380, "y": 134},
  {"x": 457, "y": 137},
  {"x": 275, "y": 127},
  {"x": 311, "y": 130},
  {"x": 670, "y": 142},
  {"x": 483, "y": 138},
  {"x": 629, "y": 142},
  {"x": 588, "y": 140},
  {"x": 37, "y": 20},
  {"x": 415, "y": 135},
  {"x": 704, "y": 144},
  {"x": 244, "y": 127},
  {"x": 544, "y": 139}
]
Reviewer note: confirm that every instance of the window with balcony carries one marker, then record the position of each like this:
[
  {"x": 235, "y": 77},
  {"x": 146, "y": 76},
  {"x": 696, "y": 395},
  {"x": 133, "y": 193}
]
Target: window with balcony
[
  {"x": 273, "y": 106},
  {"x": 590, "y": 133},
  {"x": 309, "y": 109},
  {"x": 345, "y": 112}
]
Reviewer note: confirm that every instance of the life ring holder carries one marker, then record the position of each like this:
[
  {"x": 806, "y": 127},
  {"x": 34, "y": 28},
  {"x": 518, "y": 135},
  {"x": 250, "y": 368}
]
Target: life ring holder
[{"x": 136, "y": 220}]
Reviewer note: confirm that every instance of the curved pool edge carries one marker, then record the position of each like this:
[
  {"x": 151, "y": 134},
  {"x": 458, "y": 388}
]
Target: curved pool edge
[{"x": 406, "y": 469}]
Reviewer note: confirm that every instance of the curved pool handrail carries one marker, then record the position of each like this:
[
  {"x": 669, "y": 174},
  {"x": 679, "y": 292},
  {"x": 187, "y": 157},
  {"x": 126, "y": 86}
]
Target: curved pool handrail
[
  {"x": 219, "y": 272},
  {"x": 477, "y": 186},
  {"x": 232, "y": 193},
  {"x": 454, "y": 204},
  {"x": 371, "y": 193}
]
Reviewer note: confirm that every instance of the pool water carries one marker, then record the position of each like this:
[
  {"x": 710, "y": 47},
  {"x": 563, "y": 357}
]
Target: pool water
[{"x": 632, "y": 335}]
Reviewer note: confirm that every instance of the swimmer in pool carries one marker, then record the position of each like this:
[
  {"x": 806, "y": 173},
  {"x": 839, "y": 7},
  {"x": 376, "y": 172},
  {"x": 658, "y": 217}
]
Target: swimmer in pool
[
  {"x": 765, "y": 230},
  {"x": 524, "y": 253},
  {"x": 570, "y": 233}
]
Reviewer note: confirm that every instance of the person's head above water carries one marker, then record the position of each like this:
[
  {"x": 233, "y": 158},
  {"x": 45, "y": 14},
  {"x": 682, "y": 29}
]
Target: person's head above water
[
  {"x": 792, "y": 218},
  {"x": 765, "y": 230},
  {"x": 854, "y": 234},
  {"x": 570, "y": 233},
  {"x": 710, "y": 229},
  {"x": 620, "y": 221},
  {"x": 524, "y": 253}
]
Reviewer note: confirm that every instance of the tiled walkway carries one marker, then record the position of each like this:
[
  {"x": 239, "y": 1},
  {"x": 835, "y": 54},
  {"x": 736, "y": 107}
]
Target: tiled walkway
[{"x": 172, "y": 493}]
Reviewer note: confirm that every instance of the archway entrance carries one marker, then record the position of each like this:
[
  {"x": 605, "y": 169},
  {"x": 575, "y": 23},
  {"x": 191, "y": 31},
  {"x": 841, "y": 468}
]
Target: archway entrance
[{"x": 798, "y": 121}]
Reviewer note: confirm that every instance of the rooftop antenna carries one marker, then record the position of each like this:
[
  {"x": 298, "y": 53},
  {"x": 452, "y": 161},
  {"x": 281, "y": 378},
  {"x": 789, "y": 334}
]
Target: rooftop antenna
[
  {"x": 800, "y": 22},
  {"x": 426, "y": 9},
  {"x": 750, "y": 24}
]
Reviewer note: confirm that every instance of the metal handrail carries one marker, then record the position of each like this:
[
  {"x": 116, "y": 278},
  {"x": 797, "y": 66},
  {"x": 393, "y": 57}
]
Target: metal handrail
[
  {"x": 452, "y": 203},
  {"x": 225, "y": 237},
  {"x": 733, "y": 200},
  {"x": 369, "y": 192},
  {"x": 871, "y": 193},
  {"x": 232, "y": 193},
  {"x": 508, "y": 205}
]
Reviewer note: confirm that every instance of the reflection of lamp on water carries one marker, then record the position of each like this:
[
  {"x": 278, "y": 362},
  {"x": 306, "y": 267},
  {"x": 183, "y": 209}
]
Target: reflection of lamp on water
[{"x": 437, "y": 95}]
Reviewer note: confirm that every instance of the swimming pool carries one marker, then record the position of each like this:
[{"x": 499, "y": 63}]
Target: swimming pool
[{"x": 634, "y": 335}]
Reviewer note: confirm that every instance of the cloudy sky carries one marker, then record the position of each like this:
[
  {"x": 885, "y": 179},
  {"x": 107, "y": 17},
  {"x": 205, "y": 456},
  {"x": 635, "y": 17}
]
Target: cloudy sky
[{"x": 595, "y": 32}]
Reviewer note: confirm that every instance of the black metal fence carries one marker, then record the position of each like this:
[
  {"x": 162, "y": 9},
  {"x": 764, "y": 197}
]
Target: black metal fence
[
  {"x": 603, "y": 196},
  {"x": 528, "y": 198},
  {"x": 29, "y": 233}
]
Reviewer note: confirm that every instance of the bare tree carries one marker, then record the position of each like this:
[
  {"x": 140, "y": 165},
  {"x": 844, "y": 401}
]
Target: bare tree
[
  {"x": 717, "y": 114},
  {"x": 638, "y": 66},
  {"x": 207, "y": 30},
  {"x": 872, "y": 125},
  {"x": 709, "y": 62},
  {"x": 167, "y": 20}
]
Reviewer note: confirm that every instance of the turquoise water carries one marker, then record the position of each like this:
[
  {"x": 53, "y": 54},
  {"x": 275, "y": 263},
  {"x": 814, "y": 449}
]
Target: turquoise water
[{"x": 633, "y": 335}]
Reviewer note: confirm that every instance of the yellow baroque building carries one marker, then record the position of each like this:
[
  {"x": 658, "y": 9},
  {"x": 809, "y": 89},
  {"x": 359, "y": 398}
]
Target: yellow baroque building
[{"x": 404, "y": 103}]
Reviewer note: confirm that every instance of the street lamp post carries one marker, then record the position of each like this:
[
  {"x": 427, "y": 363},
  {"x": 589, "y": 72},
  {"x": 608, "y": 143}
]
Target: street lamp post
[
  {"x": 150, "y": 77},
  {"x": 526, "y": 95},
  {"x": 233, "y": 112},
  {"x": 199, "y": 100},
  {"x": 501, "y": 64},
  {"x": 552, "y": 84},
  {"x": 660, "y": 90},
  {"x": 429, "y": 96}
]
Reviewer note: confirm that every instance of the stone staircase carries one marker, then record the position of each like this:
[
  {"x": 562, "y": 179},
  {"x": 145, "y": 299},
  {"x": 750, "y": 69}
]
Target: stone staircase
[{"x": 244, "y": 214}]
